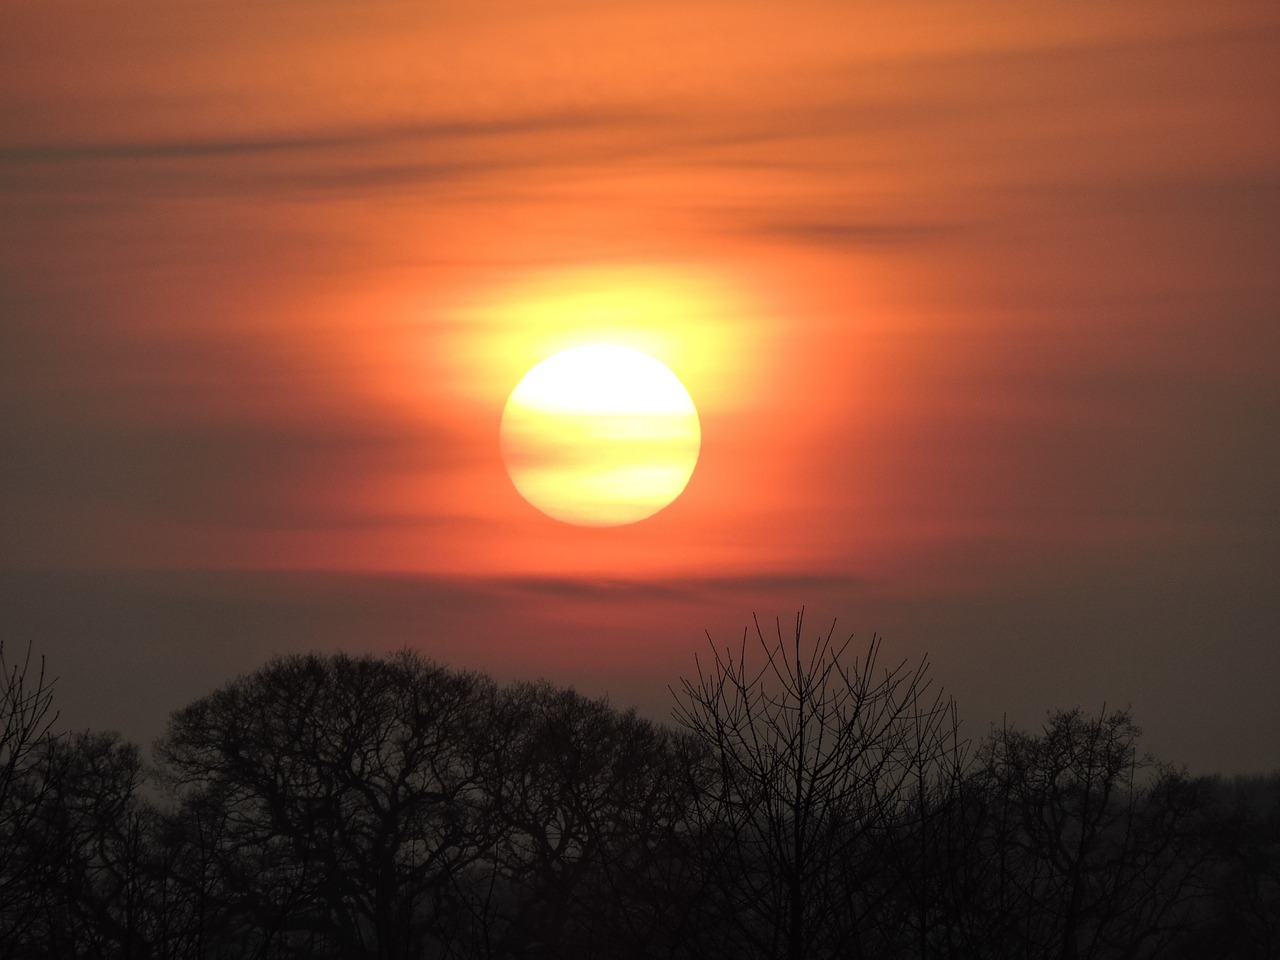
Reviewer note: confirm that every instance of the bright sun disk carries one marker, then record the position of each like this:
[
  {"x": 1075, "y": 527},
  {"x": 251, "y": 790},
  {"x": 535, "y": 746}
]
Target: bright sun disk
[{"x": 600, "y": 436}]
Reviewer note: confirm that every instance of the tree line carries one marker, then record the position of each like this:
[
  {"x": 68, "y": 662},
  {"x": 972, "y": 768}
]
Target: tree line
[{"x": 810, "y": 800}]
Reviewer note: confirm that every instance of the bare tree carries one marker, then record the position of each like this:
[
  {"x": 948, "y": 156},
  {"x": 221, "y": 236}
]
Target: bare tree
[
  {"x": 86, "y": 858},
  {"x": 822, "y": 761},
  {"x": 26, "y": 715},
  {"x": 1094, "y": 849},
  {"x": 344, "y": 796},
  {"x": 594, "y": 802}
]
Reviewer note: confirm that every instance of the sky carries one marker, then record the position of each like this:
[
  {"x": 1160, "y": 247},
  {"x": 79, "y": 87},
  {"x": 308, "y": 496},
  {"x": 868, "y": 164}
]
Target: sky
[{"x": 978, "y": 303}]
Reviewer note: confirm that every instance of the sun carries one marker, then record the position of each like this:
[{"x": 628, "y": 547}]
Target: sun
[{"x": 600, "y": 436}]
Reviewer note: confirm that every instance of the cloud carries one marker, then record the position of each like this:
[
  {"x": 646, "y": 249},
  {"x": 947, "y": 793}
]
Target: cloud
[
  {"x": 857, "y": 233},
  {"x": 347, "y": 159},
  {"x": 305, "y": 142},
  {"x": 258, "y": 474},
  {"x": 692, "y": 589}
]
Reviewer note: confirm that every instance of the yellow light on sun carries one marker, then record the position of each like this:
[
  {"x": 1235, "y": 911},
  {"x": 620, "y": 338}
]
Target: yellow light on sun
[{"x": 600, "y": 435}]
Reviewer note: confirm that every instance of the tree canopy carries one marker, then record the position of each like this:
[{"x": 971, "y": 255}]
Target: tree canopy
[{"x": 812, "y": 799}]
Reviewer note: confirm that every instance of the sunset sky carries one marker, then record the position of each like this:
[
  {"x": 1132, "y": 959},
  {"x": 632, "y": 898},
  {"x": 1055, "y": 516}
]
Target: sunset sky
[{"x": 978, "y": 303}]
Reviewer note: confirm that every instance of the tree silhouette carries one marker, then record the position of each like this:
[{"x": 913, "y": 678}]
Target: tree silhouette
[
  {"x": 88, "y": 856},
  {"x": 26, "y": 715},
  {"x": 1093, "y": 849},
  {"x": 593, "y": 802},
  {"x": 821, "y": 762},
  {"x": 1241, "y": 915},
  {"x": 808, "y": 804},
  {"x": 345, "y": 793}
]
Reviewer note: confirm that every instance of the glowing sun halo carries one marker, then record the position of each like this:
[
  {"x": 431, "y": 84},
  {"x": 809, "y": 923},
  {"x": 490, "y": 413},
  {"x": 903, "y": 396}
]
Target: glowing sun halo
[{"x": 600, "y": 436}]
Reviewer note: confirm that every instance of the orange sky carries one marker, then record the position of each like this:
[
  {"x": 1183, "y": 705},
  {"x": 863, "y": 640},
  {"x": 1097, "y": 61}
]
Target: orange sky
[{"x": 978, "y": 304}]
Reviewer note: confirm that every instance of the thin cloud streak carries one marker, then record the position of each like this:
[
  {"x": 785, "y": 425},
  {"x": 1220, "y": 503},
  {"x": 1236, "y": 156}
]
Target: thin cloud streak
[{"x": 321, "y": 141}]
